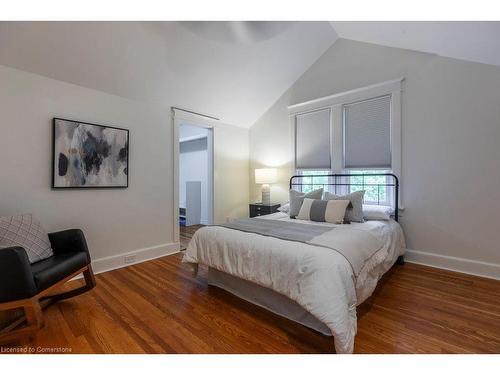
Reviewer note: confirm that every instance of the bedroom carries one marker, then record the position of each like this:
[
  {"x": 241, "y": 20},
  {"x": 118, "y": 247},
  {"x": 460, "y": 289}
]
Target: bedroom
[{"x": 353, "y": 186}]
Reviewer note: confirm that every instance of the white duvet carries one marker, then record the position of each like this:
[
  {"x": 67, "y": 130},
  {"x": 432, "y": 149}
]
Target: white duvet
[{"x": 319, "y": 279}]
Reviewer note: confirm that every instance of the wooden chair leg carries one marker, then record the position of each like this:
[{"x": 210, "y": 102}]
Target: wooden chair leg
[
  {"x": 88, "y": 274},
  {"x": 34, "y": 315},
  {"x": 34, "y": 318},
  {"x": 33, "y": 309},
  {"x": 90, "y": 283}
]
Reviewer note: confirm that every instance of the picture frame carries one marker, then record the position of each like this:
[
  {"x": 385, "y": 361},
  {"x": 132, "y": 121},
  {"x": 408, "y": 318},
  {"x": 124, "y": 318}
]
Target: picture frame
[{"x": 89, "y": 156}]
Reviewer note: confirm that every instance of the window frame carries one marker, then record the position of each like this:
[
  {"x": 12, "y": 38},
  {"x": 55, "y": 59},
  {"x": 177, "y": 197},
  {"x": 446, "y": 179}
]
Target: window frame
[{"x": 336, "y": 104}]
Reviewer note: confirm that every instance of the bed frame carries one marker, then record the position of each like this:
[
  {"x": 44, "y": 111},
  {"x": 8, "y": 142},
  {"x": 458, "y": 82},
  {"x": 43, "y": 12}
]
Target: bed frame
[{"x": 344, "y": 180}]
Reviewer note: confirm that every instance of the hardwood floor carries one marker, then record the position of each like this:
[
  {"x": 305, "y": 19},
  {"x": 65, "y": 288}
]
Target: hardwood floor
[
  {"x": 185, "y": 234},
  {"x": 157, "y": 307}
]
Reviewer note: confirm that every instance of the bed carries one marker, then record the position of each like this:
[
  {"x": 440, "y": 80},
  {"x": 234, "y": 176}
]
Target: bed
[{"x": 316, "y": 283}]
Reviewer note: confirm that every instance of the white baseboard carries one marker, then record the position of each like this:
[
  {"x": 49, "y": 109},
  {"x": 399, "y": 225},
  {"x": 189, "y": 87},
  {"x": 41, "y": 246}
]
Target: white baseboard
[
  {"x": 471, "y": 267},
  {"x": 137, "y": 256}
]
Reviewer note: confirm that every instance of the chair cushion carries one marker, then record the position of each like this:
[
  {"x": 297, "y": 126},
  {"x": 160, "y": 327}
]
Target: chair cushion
[{"x": 51, "y": 270}]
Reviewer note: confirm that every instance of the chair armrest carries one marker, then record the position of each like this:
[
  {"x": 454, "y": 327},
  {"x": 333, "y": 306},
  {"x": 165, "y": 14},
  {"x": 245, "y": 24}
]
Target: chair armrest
[
  {"x": 16, "y": 278},
  {"x": 69, "y": 241}
]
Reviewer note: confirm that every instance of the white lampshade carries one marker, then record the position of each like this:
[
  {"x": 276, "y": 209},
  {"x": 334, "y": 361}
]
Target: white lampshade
[{"x": 266, "y": 176}]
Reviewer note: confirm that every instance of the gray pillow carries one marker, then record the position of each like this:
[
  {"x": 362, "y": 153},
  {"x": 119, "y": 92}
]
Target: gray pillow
[
  {"x": 297, "y": 197},
  {"x": 27, "y": 232},
  {"x": 354, "y": 211}
]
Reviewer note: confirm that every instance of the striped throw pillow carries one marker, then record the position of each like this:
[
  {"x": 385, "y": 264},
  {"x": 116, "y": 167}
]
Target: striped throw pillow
[{"x": 331, "y": 211}]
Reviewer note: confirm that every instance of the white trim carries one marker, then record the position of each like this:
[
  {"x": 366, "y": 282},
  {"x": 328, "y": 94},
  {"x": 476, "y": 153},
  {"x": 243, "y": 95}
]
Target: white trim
[
  {"x": 468, "y": 266},
  {"x": 396, "y": 141},
  {"x": 193, "y": 118},
  {"x": 292, "y": 121},
  {"x": 337, "y": 139},
  {"x": 211, "y": 176},
  {"x": 175, "y": 169},
  {"x": 371, "y": 91},
  {"x": 141, "y": 255}
]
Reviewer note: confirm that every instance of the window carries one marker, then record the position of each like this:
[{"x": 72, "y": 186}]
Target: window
[
  {"x": 313, "y": 183},
  {"x": 374, "y": 193},
  {"x": 367, "y": 133},
  {"x": 355, "y": 132},
  {"x": 312, "y": 140}
]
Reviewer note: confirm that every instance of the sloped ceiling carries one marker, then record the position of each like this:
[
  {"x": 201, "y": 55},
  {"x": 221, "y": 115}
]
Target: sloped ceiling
[
  {"x": 231, "y": 70},
  {"x": 472, "y": 41}
]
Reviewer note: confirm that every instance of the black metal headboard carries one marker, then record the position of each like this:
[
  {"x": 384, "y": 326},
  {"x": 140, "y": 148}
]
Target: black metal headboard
[{"x": 345, "y": 180}]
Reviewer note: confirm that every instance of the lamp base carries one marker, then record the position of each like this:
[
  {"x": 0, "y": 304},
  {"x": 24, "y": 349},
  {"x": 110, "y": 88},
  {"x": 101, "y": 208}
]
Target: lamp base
[{"x": 266, "y": 194}]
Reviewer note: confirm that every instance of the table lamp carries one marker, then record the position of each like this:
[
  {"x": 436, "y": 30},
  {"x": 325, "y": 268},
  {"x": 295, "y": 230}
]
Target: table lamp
[{"x": 266, "y": 176}]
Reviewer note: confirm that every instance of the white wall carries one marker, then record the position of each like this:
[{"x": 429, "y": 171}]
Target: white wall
[
  {"x": 138, "y": 219},
  {"x": 231, "y": 170},
  {"x": 451, "y": 116},
  {"x": 194, "y": 166},
  {"x": 115, "y": 221}
]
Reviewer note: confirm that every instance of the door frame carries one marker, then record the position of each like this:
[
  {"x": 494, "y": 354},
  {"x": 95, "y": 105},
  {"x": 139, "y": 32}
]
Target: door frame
[{"x": 179, "y": 117}]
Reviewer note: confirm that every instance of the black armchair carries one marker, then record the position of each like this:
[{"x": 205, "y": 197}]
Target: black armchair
[{"x": 24, "y": 285}]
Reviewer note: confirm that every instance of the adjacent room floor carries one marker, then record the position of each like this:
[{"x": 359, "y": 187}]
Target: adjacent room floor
[
  {"x": 186, "y": 233},
  {"x": 158, "y": 307}
]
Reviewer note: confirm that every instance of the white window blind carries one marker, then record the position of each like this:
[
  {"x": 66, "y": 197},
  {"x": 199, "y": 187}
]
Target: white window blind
[
  {"x": 312, "y": 140},
  {"x": 367, "y": 133}
]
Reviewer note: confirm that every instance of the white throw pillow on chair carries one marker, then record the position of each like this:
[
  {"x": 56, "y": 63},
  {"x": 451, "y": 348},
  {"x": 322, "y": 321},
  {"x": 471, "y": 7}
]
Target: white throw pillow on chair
[{"x": 27, "y": 232}]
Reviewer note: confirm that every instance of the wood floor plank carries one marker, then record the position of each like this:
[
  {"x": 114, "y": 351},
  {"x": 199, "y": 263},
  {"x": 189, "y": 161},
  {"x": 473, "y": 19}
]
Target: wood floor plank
[{"x": 158, "y": 307}]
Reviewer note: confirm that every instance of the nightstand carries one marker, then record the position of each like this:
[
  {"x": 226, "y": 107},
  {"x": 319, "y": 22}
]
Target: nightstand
[{"x": 259, "y": 209}]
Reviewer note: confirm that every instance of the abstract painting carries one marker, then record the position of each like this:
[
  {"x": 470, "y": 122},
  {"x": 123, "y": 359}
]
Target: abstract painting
[{"x": 89, "y": 156}]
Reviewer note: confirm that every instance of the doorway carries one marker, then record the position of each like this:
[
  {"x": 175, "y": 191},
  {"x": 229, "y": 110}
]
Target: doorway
[{"x": 194, "y": 201}]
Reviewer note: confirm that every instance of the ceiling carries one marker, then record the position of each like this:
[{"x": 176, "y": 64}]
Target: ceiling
[
  {"x": 472, "y": 41},
  {"x": 231, "y": 70}
]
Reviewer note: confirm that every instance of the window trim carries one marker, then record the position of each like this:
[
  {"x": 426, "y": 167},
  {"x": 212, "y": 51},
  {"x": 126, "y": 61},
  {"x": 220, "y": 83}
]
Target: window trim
[{"x": 335, "y": 103}]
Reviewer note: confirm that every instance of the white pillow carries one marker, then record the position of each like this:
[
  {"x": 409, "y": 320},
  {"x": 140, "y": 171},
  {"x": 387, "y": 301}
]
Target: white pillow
[
  {"x": 285, "y": 208},
  {"x": 331, "y": 211},
  {"x": 374, "y": 212},
  {"x": 27, "y": 232}
]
